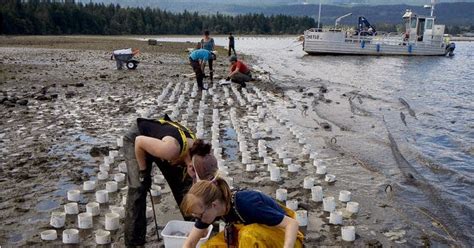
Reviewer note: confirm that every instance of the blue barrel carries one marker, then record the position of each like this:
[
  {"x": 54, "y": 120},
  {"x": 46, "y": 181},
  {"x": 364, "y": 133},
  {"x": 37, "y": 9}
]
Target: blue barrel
[
  {"x": 362, "y": 44},
  {"x": 410, "y": 48},
  {"x": 378, "y": 47}
]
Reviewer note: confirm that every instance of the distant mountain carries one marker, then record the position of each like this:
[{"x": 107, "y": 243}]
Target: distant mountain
[
  {"x": 198, "y": 3},
  {"x": 447, "y": 13}
]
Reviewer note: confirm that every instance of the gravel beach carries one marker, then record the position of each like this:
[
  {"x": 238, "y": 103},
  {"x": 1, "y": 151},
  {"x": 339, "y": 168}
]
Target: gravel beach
[{"x": 64, "y": 105}]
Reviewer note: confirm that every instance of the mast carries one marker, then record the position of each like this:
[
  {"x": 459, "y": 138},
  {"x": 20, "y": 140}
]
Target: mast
[{"x": 319, "y": 15}]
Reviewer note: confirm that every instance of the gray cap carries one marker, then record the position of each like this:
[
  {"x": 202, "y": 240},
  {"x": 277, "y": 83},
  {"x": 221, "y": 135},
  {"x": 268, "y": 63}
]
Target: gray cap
[{"x": 233, "y": 58}]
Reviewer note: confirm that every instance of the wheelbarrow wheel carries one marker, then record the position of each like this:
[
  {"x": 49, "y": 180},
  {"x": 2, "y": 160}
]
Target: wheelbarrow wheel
[{"x": 131, "y": 65}]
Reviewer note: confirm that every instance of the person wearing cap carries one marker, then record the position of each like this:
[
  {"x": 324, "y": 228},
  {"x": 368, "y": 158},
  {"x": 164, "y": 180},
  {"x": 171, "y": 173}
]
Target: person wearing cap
[
  {"x": 239, "y": 72},
  {"x": 196, "y": 59},
  {"x": 181, "y": 158}
]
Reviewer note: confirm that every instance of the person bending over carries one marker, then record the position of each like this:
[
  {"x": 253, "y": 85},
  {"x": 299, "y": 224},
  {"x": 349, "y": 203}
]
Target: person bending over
[
  {"x": 258, "y": 219},
  {"x": 196, "y": 59},
  {"x": 239, "y": 72},
  {"x": 181, "y": 158}
]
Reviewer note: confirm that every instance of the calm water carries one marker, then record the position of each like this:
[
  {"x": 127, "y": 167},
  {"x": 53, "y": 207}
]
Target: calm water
[{"x": 439, "y": 89}]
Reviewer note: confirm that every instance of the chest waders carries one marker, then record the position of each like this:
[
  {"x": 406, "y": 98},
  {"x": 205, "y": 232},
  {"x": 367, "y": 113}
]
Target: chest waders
[{"x": 176, "y": 176}]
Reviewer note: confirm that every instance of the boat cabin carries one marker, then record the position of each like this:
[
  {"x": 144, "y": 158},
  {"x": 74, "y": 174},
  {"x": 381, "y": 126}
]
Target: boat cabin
[{"x": 422, "y": 28}]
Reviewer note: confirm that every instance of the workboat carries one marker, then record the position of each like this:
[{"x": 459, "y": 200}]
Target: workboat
[{"x": 421, "y": 37}]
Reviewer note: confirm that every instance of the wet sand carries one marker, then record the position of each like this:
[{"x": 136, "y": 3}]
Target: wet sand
[{"x": 64, "y": 105}]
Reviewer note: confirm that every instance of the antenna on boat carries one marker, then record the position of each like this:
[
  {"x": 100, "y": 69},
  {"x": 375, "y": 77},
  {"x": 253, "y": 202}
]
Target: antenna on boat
[
  {"x": 431, "y": 6},
  {"x": 319, "y": 15}
]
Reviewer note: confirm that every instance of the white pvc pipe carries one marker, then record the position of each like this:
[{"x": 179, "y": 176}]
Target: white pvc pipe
[
  {"x": 57, "y": 219},
  {"x": 348, "y": 233},
  {"x": 281, "y": 194},
  {"x": 102, "y": 237},
  {"x": 84, "y": 220},
  {"x": 93, "y": 208},
  {"x": 71, "y": 236},
  {"x": 74, "y": 195}
]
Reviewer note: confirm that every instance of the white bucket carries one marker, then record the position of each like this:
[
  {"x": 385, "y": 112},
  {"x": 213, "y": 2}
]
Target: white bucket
[
  {"x": 88, "y": 186},
  {"x": 120, "y": 142},
  {"x": 118, "y": 210},
  {"x": 308, "y": 182},
  {"x": 84, "y": 220},
  {"x": 74, "y": 195},
  {"x": 111, "y": 186},
  {"x": 102, "y": 196},
  {"x": 321, "y": 170},
  {"x": 335, "y": 218},
  {"x": 49, "y": 235},
  {"x": 71, "y": 208},
  {"x": 292, "y": 204},
  {"x": 329, "y": 204},
  {"x": 112, "y": 221},
  {"x": 119, "y": 177},
  {"x": 317, "y": 193},
  {"x": 93, "y": 208},
  {"x": 250, "y": 167},
  {"x": 102, "y": 175},
  {"x": 352, "y": 207},
  {"x": 57, "y": 219},
  {"x": 155, "y": 190},
  {"x": 71, "y": 236},
  {"x": 302, "y": 217},
  {"x": 348, "y": 233},
  {"x": 344, "y": 196},
  {"x": 172, "y": 239},
  {"x": 159, "y": 179},
  {"x": 275, "y": 174},
  {"x": 281, "y": 194},
  {"x": 102, "y": 237},
  {"x": 287, "y": 161}
]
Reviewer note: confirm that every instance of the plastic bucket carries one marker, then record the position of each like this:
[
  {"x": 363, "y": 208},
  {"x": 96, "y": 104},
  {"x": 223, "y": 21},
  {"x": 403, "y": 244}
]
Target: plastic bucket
[{"x": 175, "y": 232}]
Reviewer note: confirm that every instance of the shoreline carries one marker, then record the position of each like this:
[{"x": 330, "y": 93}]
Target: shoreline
[{"x": 135, "y": 93}]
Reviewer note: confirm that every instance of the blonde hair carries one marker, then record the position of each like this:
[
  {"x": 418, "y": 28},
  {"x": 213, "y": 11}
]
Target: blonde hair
[{"x": 206, "y": 192}]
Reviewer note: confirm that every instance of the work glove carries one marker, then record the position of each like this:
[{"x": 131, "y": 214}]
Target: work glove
[{"x": 227, "y": 79}]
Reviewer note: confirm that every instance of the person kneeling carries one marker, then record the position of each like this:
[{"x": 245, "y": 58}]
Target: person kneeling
[
  {"x": 239, "y": 72},
  {"x": 253, "y": 219}
]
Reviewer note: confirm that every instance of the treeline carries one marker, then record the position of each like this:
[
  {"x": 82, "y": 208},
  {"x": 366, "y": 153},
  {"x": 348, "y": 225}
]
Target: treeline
[{"x": 37, "y": 17}]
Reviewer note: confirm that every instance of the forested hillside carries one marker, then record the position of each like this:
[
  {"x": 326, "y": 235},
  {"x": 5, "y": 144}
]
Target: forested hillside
[{"x": 42, "y": 17}]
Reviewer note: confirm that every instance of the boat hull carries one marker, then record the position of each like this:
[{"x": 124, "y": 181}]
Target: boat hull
[{"x": 362, "y": 48}]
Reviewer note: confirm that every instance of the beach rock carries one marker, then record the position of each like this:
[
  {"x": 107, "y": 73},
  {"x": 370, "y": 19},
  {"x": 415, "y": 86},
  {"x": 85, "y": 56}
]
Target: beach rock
[
  {"x": 79, "y": 85},
  {"x": 103, "y": 76},
  {"x": 70, "y": 94},
  {"x": 326, "y": 126},
  {"x": 43, "y": 98},
  {"x": 22, "y": 102},
  {"x": 3, "y": 99},
  {"x": 8, "y": 104},
  {"x": 373, "y": 243},
  {"x": 99, "y": 151}
]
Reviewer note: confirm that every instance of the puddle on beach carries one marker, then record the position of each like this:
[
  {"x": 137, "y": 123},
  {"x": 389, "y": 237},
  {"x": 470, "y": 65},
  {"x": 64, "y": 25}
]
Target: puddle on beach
[
  {"x": 15, "y": 238},
  {"x": 230, "y": 144},
  {"x": 47, "y": 205}
]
